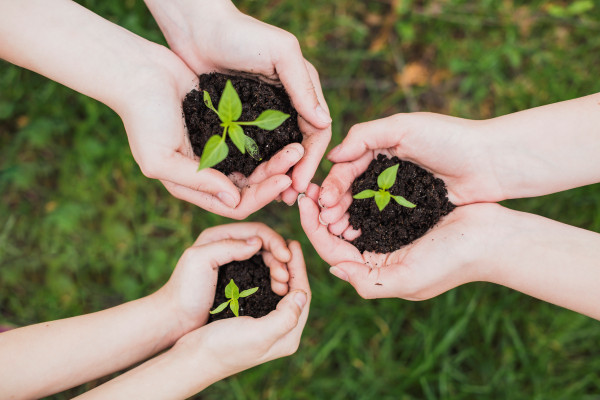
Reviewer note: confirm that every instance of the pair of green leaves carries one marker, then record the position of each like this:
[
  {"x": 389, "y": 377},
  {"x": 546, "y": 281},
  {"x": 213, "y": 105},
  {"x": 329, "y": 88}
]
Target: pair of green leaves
[
  {"x": 230, "y": 109},
  {"x": 232, "y": 292},
  {"x": 385, "y": 180}
]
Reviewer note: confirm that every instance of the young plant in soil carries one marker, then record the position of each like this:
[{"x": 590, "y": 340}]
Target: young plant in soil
[
  {"x": 230, "y": 110},
  {"x": 385, "y": 226},
  {"x": 251, "y": 273},
  {"x": 385, "y": 180},
  {"x": 232, "y": 292},
  {"x": 256, "y": 96}
]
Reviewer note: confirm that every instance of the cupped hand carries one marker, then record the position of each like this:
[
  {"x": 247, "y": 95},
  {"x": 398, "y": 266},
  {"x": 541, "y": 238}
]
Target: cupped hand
[
  {"x": 451, "y": 148},
  {"x": 239, "y": 343},
  {"x": 160, "y": 145},
  {"x": 214, "y": 35},
  {"x": 191, "y": 289},
  {"x": 449, "y": 255}
]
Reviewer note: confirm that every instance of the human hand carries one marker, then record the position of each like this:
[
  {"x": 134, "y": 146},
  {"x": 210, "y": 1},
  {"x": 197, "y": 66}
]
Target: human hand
[
  {"x": 191, "y": 289},
  {"x": 449, "y": 147},
  {"x": 447, "y": 256},
  {"x": 160, "y": 145},
  {"x": 214, "y": 35},
  {"x": 235, "y": 344}
]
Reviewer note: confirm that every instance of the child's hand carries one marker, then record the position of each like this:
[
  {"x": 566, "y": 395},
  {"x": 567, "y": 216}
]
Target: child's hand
[
  {"x": 446, "y": 257},
  {"x": 235, "y": 344},
  {"x": 214, "y": 35},
  {"x": 191, "y": 289},
  {"x": 448, "y": 147}
]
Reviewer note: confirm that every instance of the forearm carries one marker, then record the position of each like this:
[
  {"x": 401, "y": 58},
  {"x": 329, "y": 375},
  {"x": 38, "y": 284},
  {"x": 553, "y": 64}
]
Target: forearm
[
  {"x": 46, "y": 358},
  {"x": 73, "y": 46},
  {"x": 554, "y": 262},
  {"x": 545, "y": 149},
  {"x": 178, "y": 373}
]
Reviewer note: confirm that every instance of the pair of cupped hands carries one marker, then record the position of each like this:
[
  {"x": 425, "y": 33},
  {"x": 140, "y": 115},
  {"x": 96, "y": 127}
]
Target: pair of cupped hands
[{"x": 228, "y": 40}]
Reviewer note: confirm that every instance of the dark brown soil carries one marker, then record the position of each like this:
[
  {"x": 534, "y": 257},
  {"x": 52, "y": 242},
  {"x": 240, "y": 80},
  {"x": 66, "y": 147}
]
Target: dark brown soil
[
  {"x": 396, "y": 226},
  {"x": 246, "y": 275},
  {"x": 256, "y": 97}
]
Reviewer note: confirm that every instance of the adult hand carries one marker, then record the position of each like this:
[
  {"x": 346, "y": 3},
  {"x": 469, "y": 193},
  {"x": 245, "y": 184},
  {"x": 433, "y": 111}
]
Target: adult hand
[
  {"x": 447, "y": 256},
  {"x": 214, "y": 35},
  {"x": 191, "y": 289},
  {"x": 161, "y": 146},
  {"x": 236, "y": 344},
  {"x": 451, "y": 148}
]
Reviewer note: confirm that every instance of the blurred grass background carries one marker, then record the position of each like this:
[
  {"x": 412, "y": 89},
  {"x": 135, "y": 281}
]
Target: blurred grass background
[{"x": 81, "y": 229}]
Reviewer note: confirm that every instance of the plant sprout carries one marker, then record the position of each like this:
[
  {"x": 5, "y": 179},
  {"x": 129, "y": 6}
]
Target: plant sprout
[
  {"x": 230, "y": 109},
  {"x": 232, "y": 292},
  {"x": 385, "y": 180}
]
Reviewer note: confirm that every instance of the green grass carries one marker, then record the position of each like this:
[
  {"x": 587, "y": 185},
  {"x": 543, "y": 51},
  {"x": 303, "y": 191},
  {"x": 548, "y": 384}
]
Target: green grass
[{"x": 81, "y": 229}]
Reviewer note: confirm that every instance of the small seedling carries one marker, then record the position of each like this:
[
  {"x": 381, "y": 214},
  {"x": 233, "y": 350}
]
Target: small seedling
[
  {"x": 230, "y": 109},
  {"x": 232, "y": 292},
  {"x": 385, "y": 180}
]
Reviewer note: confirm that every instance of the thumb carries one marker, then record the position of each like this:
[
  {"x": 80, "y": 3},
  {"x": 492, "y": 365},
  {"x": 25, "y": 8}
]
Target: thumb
[
  {"x": 370, "y": 283},
  {"x": 286, "y": 316}
]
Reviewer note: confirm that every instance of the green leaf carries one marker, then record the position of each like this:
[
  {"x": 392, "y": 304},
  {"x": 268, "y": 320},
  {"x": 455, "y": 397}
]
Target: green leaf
[
  {"x": 403, "y": 202},
  {"x": 365, "y": 194},
  {"x": 208, "y": 102},
  {"x": 269, "y": 119},
  {"x": 235, "y": 307},
  {"x": 252, "y": 148},
  {"x": 382, "y": 199},
  {"x": 231, "y": 290},
  {"x": 580, "y": 7},
  {"x": 248, "y": 292},
  {"x": 220, "y": 308},
  {"x": 386, "y": 179},
  {"x": 230, "y": 105},
  {"x": 237, "y": 137},
  {"x": 213, "y": 153}
]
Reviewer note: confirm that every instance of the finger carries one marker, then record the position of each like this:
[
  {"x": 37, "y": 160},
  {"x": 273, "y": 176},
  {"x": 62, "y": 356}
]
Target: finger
[
  {"x": 350, "y": 233},
  {"x": 338, "y": 227},
  {"x": 332, "y": 214},
  {"x": 315, "y": 141},
  {"x": 289, "y": 196},
  {"x": 225, "y": 251},
  {"x": 370, "y": 283},
  {"x": 379, "y": 134},
  {"x": 285, "y": 317},
  {"x": 279, "y": 164},
  {"x": 298, "y": 278},
  {"x": 312, "y": 191},
  {"x": 183, "y": 171},
  {"x": 340, "y": 179},
  {"x": 332, "y": 249},
  {"x": 293, "y": 73},
  {"x": 272, "y": 241},
  {"x": 279, "y": 274},
  {"x": 253, "y": 198}
]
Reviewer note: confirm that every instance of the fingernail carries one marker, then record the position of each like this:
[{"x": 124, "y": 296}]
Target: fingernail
[
  {"x": 227, "y": 199},
  {"x": 321, "y": 220},
  {"x": 335, "y": 271},
  {"x": 334, "y": 151},
  {"x": 300, "y": 299},
  {"x": 300, "y": 196},
  {"x": 322, "y": 115},
  {"x": 319, "y": 199},
  {"x": 253, "y": 240}
]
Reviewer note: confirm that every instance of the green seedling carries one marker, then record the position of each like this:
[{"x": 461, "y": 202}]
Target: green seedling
[
  {"x": 230, "y": 109},
  {"x": 385, "y": 180},
  {"x": 232, "y": 292}
]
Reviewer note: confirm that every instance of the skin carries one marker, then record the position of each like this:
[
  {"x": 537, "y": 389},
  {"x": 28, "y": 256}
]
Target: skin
[
  {"x": 50, "y": 357},
  {"x": 226, "y": 41},
  {"x": 145, "y": 84},
  {"x": 481, "y": 162}
]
